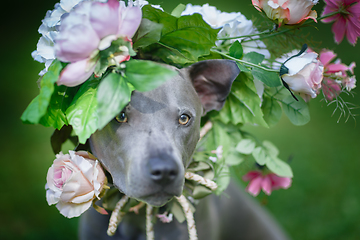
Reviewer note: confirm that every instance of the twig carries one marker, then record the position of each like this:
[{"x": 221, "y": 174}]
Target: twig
[
  {"x": 203, "y": 181},
  {"x": 117, "y": 216},
  {"x": 136, "y": 208},
  {"x": 149, "y": 224},
  {"x": 205, "y": 129},
  {"x": 189, "y": 217}
]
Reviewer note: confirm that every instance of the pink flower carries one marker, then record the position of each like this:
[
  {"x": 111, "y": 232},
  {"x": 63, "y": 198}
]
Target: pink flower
[
  {"x": 327, "y": 56},
  {"x": 73, "y": 181},
  {"x": 165, "y": 217},
  {"x": 287, "y": 11},
  {"x": 346, "y": 22},
  {"x": 336, "y": 74},
  {"x": 305, "y": 73},
  {"x": 267, "y": 183},
  {"x": 89, "y": 28}
]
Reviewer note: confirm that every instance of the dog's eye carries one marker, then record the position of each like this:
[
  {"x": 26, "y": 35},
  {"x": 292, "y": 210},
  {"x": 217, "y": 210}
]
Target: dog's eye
[
  {"x": 184, "y": 119},
  {"x": 121, "y": 118}
]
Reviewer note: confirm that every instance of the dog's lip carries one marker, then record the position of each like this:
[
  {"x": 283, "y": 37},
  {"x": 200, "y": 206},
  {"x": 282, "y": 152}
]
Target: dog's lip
[
  {"x": 160, "y": 194},
  {"x": 158, "y": 198}
]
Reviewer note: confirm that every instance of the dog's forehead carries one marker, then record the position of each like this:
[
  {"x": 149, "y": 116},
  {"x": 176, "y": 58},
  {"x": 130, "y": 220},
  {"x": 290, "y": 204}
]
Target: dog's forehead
[{"x": 177, "y": 91}]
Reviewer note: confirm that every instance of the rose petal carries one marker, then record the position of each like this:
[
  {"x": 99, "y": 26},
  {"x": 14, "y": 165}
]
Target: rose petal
[
  {"x": 104, "y": 18},
  {"x": 71, "y": 210},
  {"x": 131, "y": 18},
  {"x": 76, "y": 73},
  {"x": 76, "y": 39}
]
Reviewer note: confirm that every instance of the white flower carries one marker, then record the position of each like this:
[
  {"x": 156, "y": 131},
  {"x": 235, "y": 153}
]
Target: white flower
[
  {"x": 165, "y": 217},
  {"x": 232, "y": 24},
  {"x": 73, "y": 181},
  {"x": 45, "y": 52},
  {"x": 305, "y": 74},
  {"x": 213, "y": 159},
  {"x": 218, "y": 152},
  {"x": 350, "y": 83}
]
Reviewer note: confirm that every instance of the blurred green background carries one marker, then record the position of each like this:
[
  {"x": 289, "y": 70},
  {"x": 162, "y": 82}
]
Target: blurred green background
[{"x": 323, "y": 202}]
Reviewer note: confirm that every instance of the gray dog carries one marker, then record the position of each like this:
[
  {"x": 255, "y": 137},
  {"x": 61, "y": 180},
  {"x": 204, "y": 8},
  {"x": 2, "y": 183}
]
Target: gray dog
[{"x": 147, "y": 148}]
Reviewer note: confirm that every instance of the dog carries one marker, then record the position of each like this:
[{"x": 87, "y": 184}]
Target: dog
[{"x": 147, "y": 148}]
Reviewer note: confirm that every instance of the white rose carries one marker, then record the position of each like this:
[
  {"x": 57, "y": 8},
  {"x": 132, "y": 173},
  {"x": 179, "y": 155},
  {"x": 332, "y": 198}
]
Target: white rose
[
  {"x": 305, "y": 73},
  {"x": 73, "y": 181}
]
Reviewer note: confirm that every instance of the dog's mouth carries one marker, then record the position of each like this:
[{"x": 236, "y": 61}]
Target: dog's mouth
[{"x": 157, "y": 199}]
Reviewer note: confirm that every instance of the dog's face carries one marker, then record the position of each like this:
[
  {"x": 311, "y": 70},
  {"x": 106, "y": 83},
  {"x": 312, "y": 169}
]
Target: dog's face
[{"x": 148, "y": 145}]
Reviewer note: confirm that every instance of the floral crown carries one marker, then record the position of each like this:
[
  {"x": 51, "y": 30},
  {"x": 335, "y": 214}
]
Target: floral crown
[{"x": 97, "y": 52}]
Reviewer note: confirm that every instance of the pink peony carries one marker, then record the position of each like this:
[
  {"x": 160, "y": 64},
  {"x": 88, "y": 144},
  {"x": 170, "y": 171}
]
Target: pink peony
[
  {"x": 305, "y": 73},
  {"x": 267, "y": 183},
  {"x": 346, "y": 22},
  {"x": 287, "y": 11},
  {"x": 73, "y": 181},
  {"x": 89, "y": 28}
]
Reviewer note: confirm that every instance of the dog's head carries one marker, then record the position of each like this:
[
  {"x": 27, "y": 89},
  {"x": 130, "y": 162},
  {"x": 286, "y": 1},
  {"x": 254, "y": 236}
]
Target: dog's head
[{"x": 148, "y": 145}]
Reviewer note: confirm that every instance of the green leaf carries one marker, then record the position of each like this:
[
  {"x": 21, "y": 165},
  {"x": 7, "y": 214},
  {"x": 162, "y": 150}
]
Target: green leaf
[
  {"x": 243, "y": 68},
  {"x": 236, "y": 50},
  {"x": 272, "y": 110},
  {"x": 193, "y": 37},
  {"x": 243, "y": 103},
  {"x": 297, "y": 111},
  {"x": 271, "y": 148},
  {"x": 218, "y": 136},
  {"x": 254, "y": 57},
  {"x": 261, "y": 156},
  {"x": 183, "y": 40},
  {"x": 271, "y": 79},
  {"x": 149, "y": 32},
  {"x": 147, "y": 75},
  {"x": 82, "y": 112},
  {"x": 245, "y": 146},
  {"x": 234, "y": 158},
  {"x": 264, "y": 154},
  {"x": 156, "y": 15},
  {"x": 60, "y": 101},
  {"x": 222, "y": 179},
  {"x": 200, "y": 192},
  {"x": 38, "y": 106},
  {"x": 178, "y": 10},
  {"x": 279, "y": 167},
  {"x": 178, "y": 212},
  {"x": 112, "y": 96}
]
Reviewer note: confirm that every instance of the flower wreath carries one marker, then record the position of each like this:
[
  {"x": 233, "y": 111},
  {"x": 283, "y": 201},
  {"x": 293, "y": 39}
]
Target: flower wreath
[{"x": 97, "y": 52}]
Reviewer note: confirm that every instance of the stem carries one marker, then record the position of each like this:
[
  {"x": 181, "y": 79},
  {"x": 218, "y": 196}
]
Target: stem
[
  {"x": 246, "y": 36},
  {"x": 328, "y": 15},
  {"x": 271, "y": 32},
  {"x": 245, "y": 62}
]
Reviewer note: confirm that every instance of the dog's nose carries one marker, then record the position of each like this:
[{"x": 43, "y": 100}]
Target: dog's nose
[{"x": 163, "y": 171}]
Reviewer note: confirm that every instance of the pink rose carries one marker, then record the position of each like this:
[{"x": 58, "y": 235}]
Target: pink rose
[
  {"x": 267, "y": 183},
  {"x": 287, "y": 11},
  {"x": 89, "y": 28},
  {"x": 73, "y": 181},
  {"x": 305, "y": 74}
]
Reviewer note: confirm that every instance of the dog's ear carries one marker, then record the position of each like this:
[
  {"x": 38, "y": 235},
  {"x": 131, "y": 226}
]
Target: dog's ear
[{"x": 212, "y": 79}]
